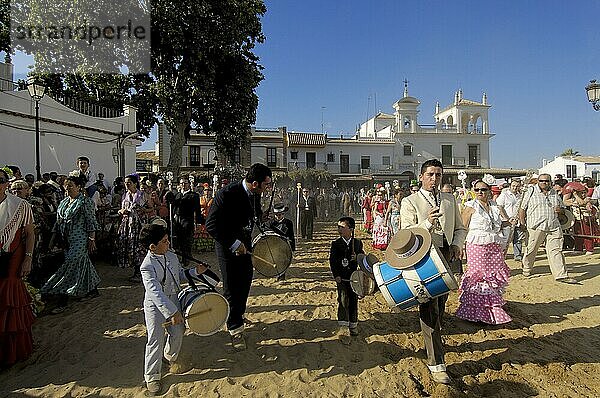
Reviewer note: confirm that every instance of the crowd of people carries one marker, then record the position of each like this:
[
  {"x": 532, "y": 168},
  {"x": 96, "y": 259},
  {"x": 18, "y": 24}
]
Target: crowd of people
[{"x": 52, "y": 230}]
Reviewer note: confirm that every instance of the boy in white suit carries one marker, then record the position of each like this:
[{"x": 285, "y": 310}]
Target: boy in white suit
[{"x": 161, "y": 274}]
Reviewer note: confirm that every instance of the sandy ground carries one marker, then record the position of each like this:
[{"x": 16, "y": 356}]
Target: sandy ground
[{"x": 551, "y": 349}]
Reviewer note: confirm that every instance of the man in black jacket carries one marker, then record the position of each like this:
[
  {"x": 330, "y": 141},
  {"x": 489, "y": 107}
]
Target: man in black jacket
[
  {"x": 308, "y": 212},
  {"x": 342, "y": 260},
  {"x": 231, "y": 219},
  {"x": 187, "y": 216}
]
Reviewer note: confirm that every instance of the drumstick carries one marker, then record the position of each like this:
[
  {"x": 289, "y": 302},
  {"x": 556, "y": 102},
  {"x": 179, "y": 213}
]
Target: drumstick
[
  {"x": 264, "y": 260},
  {"x": 194, "y": 315}
]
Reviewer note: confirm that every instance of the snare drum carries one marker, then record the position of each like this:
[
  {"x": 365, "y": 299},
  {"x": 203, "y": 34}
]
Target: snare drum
[
  {"x": 271, "y": 254},
  {"x": 205, "y": 311},
  {"x": 405, "y": 288}
]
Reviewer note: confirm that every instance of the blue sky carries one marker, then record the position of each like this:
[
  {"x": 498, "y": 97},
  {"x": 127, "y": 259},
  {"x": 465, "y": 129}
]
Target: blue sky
[{"x": 532, "y": 59}]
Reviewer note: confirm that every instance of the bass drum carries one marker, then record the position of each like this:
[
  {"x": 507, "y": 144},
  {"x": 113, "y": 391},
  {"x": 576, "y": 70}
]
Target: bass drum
[
  {"x": 271, "y": 254},
  {"x": 205, "y": 311}
]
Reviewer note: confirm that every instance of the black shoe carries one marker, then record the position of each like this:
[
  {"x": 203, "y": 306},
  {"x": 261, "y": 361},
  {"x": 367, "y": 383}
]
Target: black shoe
[
  {"x": 92, "y": 294},
  {"x": 570, "y": 281},
  {"x": 58, "y": 310}
]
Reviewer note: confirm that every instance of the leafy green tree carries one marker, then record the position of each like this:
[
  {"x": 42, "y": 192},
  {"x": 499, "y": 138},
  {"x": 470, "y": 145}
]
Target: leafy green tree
[
  {"x": 5, "y": 27},
  {"x": 206, "y": 73},
  {"x": 311, "y": 177},
  {"x": 569, "y": 152}
]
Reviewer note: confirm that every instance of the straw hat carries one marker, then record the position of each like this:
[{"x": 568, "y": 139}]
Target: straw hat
[
  {"x": 566, "y": 219},
  {"x": 408, "y": 247},
  {"x": 366, "y": 262}
]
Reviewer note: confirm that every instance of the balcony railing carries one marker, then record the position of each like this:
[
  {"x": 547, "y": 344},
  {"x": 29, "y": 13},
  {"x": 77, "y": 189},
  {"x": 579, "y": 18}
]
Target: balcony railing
[
  {"x": 85, "y": 107},
  {"x": 353, "y": 168}
]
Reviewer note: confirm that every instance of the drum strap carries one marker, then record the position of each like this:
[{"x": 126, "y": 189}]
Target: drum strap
[{"x": 165, "y": 269}]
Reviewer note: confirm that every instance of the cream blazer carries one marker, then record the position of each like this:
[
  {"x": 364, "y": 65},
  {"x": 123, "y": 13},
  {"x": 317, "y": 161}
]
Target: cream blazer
[{"x": 415, "y": 209}]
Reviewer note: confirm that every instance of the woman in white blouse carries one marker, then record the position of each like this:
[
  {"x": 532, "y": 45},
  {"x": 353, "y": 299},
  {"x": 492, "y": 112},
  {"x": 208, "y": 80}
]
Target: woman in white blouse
[{"x": 487, "y": 274}]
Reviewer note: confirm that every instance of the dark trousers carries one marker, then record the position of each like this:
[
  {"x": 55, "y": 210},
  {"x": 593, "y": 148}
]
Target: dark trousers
[
  {"x": 236, "y": 272},
  {"x": 347, "y": 312},
  {"x": 306, "y": 223},
  {"x": 431, "y": 315},
  {"x": 184, "y": 236}
]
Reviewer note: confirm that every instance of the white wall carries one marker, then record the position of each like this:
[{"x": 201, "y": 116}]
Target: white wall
[{"x": 65, "y": 135}]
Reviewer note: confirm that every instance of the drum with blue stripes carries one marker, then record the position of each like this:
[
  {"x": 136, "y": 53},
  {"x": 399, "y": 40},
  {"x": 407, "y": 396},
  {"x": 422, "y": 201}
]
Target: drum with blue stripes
[{"x": 406, "y": 288}]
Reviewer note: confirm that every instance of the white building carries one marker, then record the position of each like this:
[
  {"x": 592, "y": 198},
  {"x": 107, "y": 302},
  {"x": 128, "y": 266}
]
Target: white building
[
  {"x": 65, "y": 133},
  {"x": 267, "y": 145},
  {"x": 459, "y": 136},
  {"x": 393, "y": 146},
  {"x": 572, "y": 167},
  {"x": 385, "y": 147}
]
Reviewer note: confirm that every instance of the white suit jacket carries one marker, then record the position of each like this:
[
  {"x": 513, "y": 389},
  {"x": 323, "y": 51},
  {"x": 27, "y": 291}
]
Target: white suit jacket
[
  {"x": 414, "y": 210},
  {"x": 153, "y": 274}
]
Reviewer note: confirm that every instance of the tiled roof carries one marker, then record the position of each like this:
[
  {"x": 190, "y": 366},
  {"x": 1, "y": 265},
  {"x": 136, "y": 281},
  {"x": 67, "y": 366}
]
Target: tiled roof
[
  {"x": 481, "y": 171},
  {"x": 146, "y": 155},
  {"x": 587, "y": 159},
  {"x": 306, "y": 139}
]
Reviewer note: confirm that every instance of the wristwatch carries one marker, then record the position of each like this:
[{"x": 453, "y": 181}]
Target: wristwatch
[
  {"x": 29, "y": 254},
  {"x": 91, "y": 238}
]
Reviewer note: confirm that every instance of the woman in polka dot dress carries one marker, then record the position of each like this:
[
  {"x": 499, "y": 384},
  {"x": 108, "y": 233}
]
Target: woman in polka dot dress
[
  {"x": 487, "y": 274},
  {"x": 76, "y": 223}
]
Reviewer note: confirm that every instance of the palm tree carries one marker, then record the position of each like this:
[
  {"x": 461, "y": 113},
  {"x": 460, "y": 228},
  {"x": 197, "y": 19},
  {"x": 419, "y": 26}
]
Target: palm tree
[{"x": 569, "y": 152}]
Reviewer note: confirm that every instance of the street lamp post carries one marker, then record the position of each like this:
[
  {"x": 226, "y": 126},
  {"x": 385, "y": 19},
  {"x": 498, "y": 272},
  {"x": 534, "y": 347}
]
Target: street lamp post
[
  {"x": 36, "y": 91},
  {"x": 593, "y": 94}
]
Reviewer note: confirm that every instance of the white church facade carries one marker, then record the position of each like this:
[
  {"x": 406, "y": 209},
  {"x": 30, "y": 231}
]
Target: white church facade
[{"x": 388, "y": 146}]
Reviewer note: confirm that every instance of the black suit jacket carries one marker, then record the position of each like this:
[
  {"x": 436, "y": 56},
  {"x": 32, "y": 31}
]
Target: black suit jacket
[
  {"x": 186, "y": 209},
  {"x": 232, "y": 215},
  {"x": 340, "y": 250},
  {"x": 312, "y": 205},
  {"x": 285, "y": 228}
]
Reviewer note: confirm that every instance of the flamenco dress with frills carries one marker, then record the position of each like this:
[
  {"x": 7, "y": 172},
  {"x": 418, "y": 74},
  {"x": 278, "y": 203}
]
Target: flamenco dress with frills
[
  {"x": 16, "y": 315},
  {"x": 484, "y": 282}
]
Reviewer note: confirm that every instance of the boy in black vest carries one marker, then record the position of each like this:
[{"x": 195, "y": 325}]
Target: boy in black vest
[{"x": 342, "y": 260}]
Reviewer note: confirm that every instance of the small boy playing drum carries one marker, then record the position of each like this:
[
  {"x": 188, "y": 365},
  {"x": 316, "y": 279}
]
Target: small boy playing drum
[
  {"x": 342, "y": 260},
  {"x": 161, "y": 274}
]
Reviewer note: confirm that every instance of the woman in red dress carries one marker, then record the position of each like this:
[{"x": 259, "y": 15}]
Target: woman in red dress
[{"x": 17, "y": 239}]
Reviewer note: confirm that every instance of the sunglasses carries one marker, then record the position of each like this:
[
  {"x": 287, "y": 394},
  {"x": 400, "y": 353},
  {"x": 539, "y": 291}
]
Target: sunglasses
[
  {"x": 3, "y": 180},
  {"x": 545, "y": 181},
  {"x": 481, "y": 190}
]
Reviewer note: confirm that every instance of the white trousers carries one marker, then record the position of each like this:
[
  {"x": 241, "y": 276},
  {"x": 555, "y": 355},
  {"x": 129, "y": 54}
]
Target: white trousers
[
  {"x": 157, "y": 345},
  {"x": 554, "y": 243}
]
